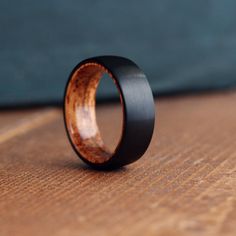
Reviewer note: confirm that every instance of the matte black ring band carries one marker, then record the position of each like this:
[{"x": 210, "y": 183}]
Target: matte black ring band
[{"x": 138, "y": 109}]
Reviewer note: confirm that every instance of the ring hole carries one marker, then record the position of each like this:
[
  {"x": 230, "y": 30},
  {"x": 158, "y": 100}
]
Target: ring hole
[{"x": 109, "y": 112}]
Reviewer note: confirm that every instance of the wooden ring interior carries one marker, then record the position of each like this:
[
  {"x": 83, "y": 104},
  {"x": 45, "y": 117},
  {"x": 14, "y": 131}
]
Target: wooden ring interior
[{"x": 80, "y": 113}]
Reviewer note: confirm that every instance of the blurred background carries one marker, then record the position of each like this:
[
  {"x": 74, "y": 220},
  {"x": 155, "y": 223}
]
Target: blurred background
[{"x": 182, "y": 46}]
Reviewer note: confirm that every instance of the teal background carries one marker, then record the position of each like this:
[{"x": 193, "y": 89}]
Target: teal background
[{"x": 181, "y": 45}]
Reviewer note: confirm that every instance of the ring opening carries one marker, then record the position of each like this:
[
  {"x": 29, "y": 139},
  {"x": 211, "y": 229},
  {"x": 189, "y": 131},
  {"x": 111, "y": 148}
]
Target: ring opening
[{"x": 80, "y": 113}]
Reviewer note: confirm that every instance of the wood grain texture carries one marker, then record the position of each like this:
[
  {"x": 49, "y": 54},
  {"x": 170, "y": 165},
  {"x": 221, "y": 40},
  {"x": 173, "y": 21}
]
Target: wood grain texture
[
  {"x": 184, "y": 185},
  {"x": 80, "y": 116},
  {"x": 17, "y": 123}
]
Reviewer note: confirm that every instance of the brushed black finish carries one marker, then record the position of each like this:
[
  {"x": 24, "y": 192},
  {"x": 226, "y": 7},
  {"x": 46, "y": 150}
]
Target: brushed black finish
[{"x": 138, "y": 107}]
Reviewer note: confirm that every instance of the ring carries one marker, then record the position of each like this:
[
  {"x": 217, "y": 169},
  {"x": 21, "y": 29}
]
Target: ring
[{"x": 80, "y": 117}]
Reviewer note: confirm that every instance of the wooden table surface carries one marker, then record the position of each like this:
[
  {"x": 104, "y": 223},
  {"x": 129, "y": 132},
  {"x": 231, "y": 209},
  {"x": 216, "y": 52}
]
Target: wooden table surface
[{"x": 185, "y": 184}]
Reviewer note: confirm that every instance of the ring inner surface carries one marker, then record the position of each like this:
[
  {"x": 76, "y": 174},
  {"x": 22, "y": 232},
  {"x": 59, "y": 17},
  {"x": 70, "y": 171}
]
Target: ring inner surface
[{"x": 80, "y": 115}]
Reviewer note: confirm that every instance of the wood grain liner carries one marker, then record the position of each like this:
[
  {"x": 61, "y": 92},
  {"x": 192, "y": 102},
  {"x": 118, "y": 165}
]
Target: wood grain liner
[{"x": 80, "y": 115}]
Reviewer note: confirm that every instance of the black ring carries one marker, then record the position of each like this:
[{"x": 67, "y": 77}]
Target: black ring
[{"x": 138, "y": 111}]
